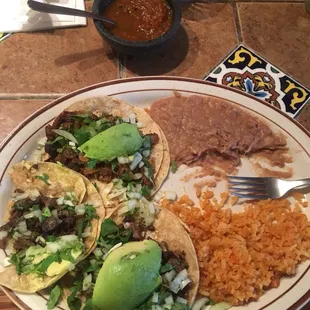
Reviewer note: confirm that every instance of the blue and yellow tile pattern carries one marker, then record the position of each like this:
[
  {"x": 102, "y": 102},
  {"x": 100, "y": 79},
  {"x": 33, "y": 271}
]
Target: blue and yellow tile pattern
[{"x": 245, "y": 70}]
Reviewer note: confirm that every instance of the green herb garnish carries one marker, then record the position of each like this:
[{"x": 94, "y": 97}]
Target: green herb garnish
[
  {"x": 54, "y": 297},
  {"x": 44, "y": 178},
  {"x": 174, "y": 166},
  {"x": 165, "y": 268},
  {"x": 46, "y": 212},
  {"x": 92, "y": 163}
]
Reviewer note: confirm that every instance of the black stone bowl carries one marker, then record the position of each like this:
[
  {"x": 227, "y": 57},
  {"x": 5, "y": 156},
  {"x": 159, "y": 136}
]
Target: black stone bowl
[{"x": 137, "y": 47}]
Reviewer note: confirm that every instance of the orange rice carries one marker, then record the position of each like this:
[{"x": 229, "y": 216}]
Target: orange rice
[{"x": 243, "y": 254}]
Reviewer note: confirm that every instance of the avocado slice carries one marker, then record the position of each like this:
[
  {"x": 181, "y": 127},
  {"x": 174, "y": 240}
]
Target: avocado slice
[
  {"x": 119, "y": 140},
  {"x": 128, "y": 276}
]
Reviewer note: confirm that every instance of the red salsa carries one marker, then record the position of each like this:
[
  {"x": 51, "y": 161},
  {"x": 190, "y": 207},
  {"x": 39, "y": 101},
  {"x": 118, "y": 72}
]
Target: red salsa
[{"x": 139, "y": 20}]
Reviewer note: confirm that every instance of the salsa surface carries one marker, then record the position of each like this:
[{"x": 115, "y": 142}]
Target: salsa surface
[{"x": 139, "y": 20}]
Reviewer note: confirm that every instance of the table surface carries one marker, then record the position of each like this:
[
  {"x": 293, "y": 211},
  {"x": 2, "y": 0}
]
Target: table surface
[{"x": 38, "y": 67}]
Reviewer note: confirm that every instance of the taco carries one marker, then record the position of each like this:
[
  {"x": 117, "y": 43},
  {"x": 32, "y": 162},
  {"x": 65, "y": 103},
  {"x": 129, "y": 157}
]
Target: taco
[
  {"x": 113, "y": 144},
  {"x": 53, "y": 221},
  {"x": 135, "y": 266}
]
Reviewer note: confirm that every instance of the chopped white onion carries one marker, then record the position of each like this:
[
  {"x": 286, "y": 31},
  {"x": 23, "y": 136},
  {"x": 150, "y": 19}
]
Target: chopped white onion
[
  {"x": 38, "y": 213},
  {"x": 170, "y": 195},
  {"x": 123, "y": 160},
  {"x": 86, "y": 234},
  {"x": 33, "y": 194},
  {"x": 176, "y": 283},
  {"x": 98, "y": 253},
  {"x": 155, "y": 298},
  {"x": 53, "y": 246},
  {"x": 141, "y": 164},
  {"x": 29, "y": 215},
  {"x": 200, "y": 303},
  {"x": 151, "y": 208},
  {"x": 137, "y": 176},
  {"x": 71, "y": 143},
  {"x": 126, "y": 225},
  {"x": 55, "y": 214},
  {"x": 116, "y": 193},
  {"x": 158, "y": 197},
  {"x": 71, "y": 267},
  {"x": 41, "y": 239},
  {"x": 184, "y": 283},
  {"x": 3, "y": 234},
  {"x": 146, "y": 153},
  {"x": 68, "y": 203},
  {"x": 69, "y": 238},
  {"x": 170, "y": 275},
  {"x": 93, "y": 261},
  {"x": 65, "y": 134},
  {"x": 19, "y": 196},
  {"x": 6, "y": 262},
  {"x": 87, "y": 282},
  {"x": 60, "y": 201},
  {"x": 136, "y": 160},
  {"x": 156, "y": 307},
  {"x": 22, "y": 227},
  {"x": 16, "y": 235},
  {"x": 181, "y": 300},
  {"x": 132, "y": 118},
  {"x": 133, "y": 195},
  {"x": 126, "y": 119},
  {"x": 138, "y": 188},
  {"x": 80, "y": 209},
  {"x": 167, "y": 307},
  {"x": 169, "y": 300}
]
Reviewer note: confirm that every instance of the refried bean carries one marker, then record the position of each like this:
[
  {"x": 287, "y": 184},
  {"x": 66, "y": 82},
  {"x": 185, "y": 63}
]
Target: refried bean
[
  {"x": 208, "y": 131},
  {"x": 139, "y": 20}
]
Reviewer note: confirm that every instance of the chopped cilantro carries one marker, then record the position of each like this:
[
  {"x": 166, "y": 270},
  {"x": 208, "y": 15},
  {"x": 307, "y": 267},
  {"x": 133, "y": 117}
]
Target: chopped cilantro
[
  {"x": 43, "y": 266},
  {"x": 44, "y": 178},
  {"x": 66, "y": 255},
  {"x": 174, "y": 166},
  {"x": 74, "y": 302},
  {"x": 58, "y": 138},
  {"x": 90, "y": 212},
  {"x": 15, "y": 260},
  {"x": 111, "y": 234},
  {"x": 35, "y": 207},
  {"x": 125, "y": 176},
  {"x": 88, "y": 305},
  {"x": 165, "y": 268},
  {"x": 113, "y": 166},
  {"x": 54, "y": 297},
  {"x": 51, "y": 238},
  {"x": 146, "y": 191},
  {"x": 92, "y": 163},
  {"x": 147, "y": 142},
  {"x": 46, "y": 212}
]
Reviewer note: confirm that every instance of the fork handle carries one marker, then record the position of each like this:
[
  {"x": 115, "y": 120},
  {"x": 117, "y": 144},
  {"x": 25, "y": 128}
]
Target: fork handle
[{"x": 301, "y": 183}]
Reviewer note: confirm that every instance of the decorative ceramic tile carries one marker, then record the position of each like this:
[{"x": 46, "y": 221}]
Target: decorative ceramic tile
[{"x": 246, "y": 71}]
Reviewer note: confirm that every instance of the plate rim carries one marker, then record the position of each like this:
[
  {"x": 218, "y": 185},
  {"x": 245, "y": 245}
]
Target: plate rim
[{"x": 301, "y": 301}]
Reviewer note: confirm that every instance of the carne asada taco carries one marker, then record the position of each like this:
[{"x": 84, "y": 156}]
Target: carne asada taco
[
  {"x": 109, "y": 141},
  {"x": 154, "y": 265},
  {"x": 53, "y": 222}
]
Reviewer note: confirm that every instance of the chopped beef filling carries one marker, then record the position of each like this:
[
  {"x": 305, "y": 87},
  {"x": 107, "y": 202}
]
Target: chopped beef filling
[
  {"x": 60, "y": 150},
  {"x": 64, "y": 224}
]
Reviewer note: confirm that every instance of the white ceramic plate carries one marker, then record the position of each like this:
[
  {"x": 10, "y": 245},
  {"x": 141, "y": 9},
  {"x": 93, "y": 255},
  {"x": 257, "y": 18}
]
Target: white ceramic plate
[{"x": 293, "y": 293}]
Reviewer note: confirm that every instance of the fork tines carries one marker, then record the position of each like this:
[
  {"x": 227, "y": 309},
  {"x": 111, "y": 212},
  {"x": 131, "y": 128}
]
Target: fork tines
[{"x": 248, "y": 187}]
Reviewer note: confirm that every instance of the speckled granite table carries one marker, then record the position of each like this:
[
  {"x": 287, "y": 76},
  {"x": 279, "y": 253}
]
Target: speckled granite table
[{"x": 38, "y": 67}]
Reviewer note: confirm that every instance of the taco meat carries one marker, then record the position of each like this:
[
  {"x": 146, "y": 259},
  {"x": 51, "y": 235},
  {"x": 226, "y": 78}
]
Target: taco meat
[{"x": 83, "y": 127}]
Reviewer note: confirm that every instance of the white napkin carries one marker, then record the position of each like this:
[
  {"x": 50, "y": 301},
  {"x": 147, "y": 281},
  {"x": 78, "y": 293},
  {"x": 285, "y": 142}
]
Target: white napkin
[{"x": 15, "y": 16}]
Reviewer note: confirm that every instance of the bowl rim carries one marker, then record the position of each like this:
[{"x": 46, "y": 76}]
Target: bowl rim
[{"x": 176, "y": 22}]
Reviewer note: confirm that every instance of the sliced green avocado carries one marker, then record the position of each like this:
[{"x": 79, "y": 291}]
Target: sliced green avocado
[
  {"x": 119, "y": 140},
  {"x": 128, "y": 276}
]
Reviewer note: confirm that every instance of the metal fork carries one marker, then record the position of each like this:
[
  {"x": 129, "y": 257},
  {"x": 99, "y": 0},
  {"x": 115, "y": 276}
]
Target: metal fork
[{"x": 263, "y": 188}]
